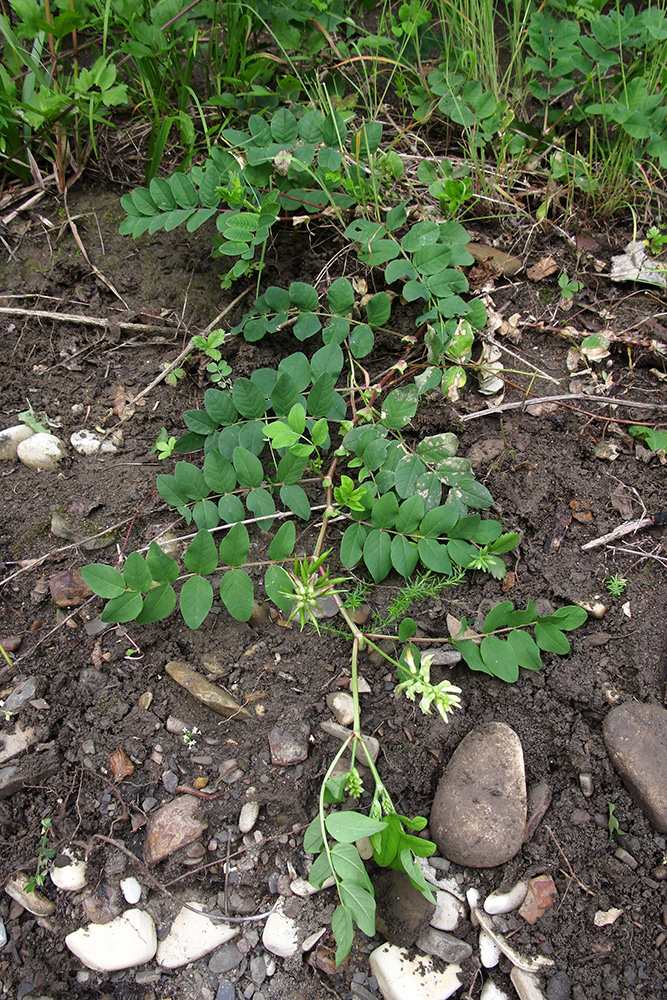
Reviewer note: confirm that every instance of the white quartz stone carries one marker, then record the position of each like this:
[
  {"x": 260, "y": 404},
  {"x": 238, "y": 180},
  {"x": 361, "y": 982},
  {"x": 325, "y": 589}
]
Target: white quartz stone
[
  {"x": 191, "y": 936},
  {"x": 131, "y": 890},
  {"x": 505, "y": 902},
  {"x": 489, "y": 952},
  {"x": 492, "y": 992},
  {"x": 280, "y": 935},
  {"x": 70, "y": 877},
  {"x": 402, "y": 978},
  {"x": 11, "y": 438},
  {"x": 449, "y": 910},
  {"x": 248, "y": 816},
  {"x": 41, "y": 451},
  {"x": 123, "y": 943}
]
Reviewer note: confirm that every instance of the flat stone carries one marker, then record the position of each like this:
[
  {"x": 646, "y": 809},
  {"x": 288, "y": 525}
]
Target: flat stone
[
  {"x": 478, "y": 816},
  {"x": 403, "y": 912},
  {"x": 635, "y": 736},
  {"x": 21, "y": 694},
  {"x": 280, "y": 935},
  {"x": 41, "y": 451},
  {"x": 17, "y": 742},
  {"x": 342, "y": 705},
  {"x": 402, "y": 978},
  {"x": 225, "y": 959},
  {"x": 443, "y": 945},
  {"x": 127, "y": 941},
  {"x": 449, "y": 910},
  {"x": 173, "y": 826},
  {"x": 11, "y": 438},
  {"x": 214, "y": 697},
  {"x": 540, "y": 896},
  {"x": 33, "y": 901},
  {"x": 225, "y": 990},
  {"x": 68, "y": 590},
  {"x": 191, "y": 936},
  {"x": 288, "y": 741}
]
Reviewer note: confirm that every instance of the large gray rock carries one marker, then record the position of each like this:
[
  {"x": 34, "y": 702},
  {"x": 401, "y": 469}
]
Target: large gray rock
[
  {"x": 636, "y": 739},
  {"x": 479, "y": 811}
]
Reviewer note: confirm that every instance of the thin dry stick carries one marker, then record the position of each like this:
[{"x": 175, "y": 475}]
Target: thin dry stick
[
  {"x": 629, "y": 528},
  {"x": 84, "y": 320},
  {"x": 565, "y": 398}
]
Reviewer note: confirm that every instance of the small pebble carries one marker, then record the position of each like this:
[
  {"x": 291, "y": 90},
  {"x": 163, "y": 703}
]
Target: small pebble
[
  {"x": 170, "y": 781},
  {"x": 586, "y": 785},
  {"x": 131, "y": 890},
  {"x": 626, "y": 858},
  {"x": 248, "y": 816}
]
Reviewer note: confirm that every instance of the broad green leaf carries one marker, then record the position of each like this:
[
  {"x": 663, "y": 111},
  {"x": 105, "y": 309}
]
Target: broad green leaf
[
  {"x": 235, "y": 546},
  {"x": 420, "y": 235},
  {"x": 321, "y": 396},
  {"x": 219, "y": 473},
  {"x": 296, "y": 418},
  {"x": 437, "y": 447},
  {"x": 399, "y": 407},
  {"x": 284, "y": 127},
  {"x": 200, "y": 422},
  {"x": 379, "y": 252},
  {"x": 320, "y": 870},
  {"x": 237, "y": 593},
  {"x": 343, "y": 931},
  {"x": 406, "y": 629},
  {"x": 205, "y": 514},
  {"x": 349, "y": 826},
  {"x": 462, "y": 553},
  {"x": 282, "y": 545},
  {"x": 473, "y": 494},
  {"x": 303, "y": 296},
  {"x": 378, "y": 309},
  {"x": 290, "y": 469},
  {"x": 281, "y": 434},
  {"x": 201, "y": 555},
  {"x": 352, "y": 543},
  {"x": 404, "y": 555},
  {"x": 158, "y": 604},
  {"x": 499, "y": 658},
  {"x": 307, "y": 325},
  {"x": 526, "y": 617},
  {"x": 385, "y": 844},
  {"x": 470, "y": 652},
  {"x": 361, "y": 905},
  {"x": 569, "y": 617},
  {"x": 231, "y": 509},
  {"x": 430, "y": 490},
  {"x": 124, "y": 608},
  {"x": 319, "y": 433},
  {"x": 439, "y": 521},
  {"x": 277, "y": 583},
  {"x": 183, "y": 191},
  {"x": 329, "y": 359},
  {"x": 163, "y": 568},
  {"x": 295, "y": 499},
  {"x": 190, "y": 481},
  {"x": 196, "y": 600},
  {"x": 248, "y": 398},
  {"x": 466, "y": 527},
  {"x": 385, "y": 511},
  {"x": 498, "y": 617},
  {"x": 248, "y": 468},
  {"x": 336, "y": 330},
  {"x": 348, "y": 865},
  {"x": 105, "y": 581},
  {"x": 408, "y": 470},
  {"x": 366, "y": 141},
  {"x": 550, "y": 638},
  {"x": 400, "y": 268},
  {"x": 419, "y": 846},
  {"x": 525, "y": 649},
  {"x": 377, "y": 554},
  {"x": 410, "y": 514},
  {"x": 362, "y": 339},
  {"x": 341, "y": 296},
  {"x": 277, "y": 298},
  {"x": 396, "y": 217},
  {"x": 261, "y": 503},
  {"x": 313, "y": 841},
  {"x": 434, "y": 555},
  {"x": 285, "y": 394},
  {"x": 334, "y": 130}
]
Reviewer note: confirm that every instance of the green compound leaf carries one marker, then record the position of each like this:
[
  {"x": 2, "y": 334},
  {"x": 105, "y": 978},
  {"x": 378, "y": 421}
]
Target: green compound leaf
[
  {"x": 124, "y": 608},
  {"x": 499, "y": 658},
  {"x": 105, "y": 581},
  {"x": 352, "y": 545},
  {"x": 249, "y": 470},
  {"x": 377, "y": 554},
  {"x": 136, "y": 573},
  {"x": 328, "y": 359},
  {"x": 285, "y": 394},
  {"x": 462, "y": 553},
  {"x": 295, "y": 499},
  {"x": 342, "y": 929},
  {"x": 284, "y": 127},
  {"x": 303, "y": 296},
  {"x": 341, "y": 296},
  {"x": 320, "y": 870},
  {"x": 202, "y": 555},
  {"x": 230, "y": 509},
  {"x": 385, "y": 511},
  {"x": 379, "y": 252},
  {"x": 261, "y": 503},
  {"x": 498, "y": 616},
  {"x": 282, "y": 545},
  {"x": 378, "y": 309},
  {"x": 550, "y": 638},
  {"x": 406, "y": 629},
  {"x": 196, "y": 600},
  {"x": 434, "y": 555},
  {"x": 277, "y": 584},
  {"x": 404, "y": 555},
  {"x": 430, "y": 490},
  {"x": 568, "y": 617},
  {"x": 437, "y": 447},
  {"x": 399, "y": 407},
  {"x": 237, "y": 593},
  {"x": 525, "y": 650},
  {"x": 439, "y": 521},
  {"x": 199, "y": 422},
  {"x": 158, "y": 604},
  {"x": 235, "y": 546},
  {"x": 248, "y": 398},
  {"x": 408, "y": 470},
  {"x": 348, "y": 826},
  {"x": 219, "y": 473},
  {"x": 163, "y": 568},
  {"x": 205, "y": 514},
  {"x": 470, "y": 652},
  {"x": 322, "y": 395},
  {"x": 473, "y": 494},
  {"x": 410, "y": 514}
]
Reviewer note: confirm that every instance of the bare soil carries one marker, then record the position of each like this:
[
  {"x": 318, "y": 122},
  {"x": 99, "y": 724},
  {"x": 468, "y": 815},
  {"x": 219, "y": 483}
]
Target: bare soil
[{"x": 541, "y": 469}]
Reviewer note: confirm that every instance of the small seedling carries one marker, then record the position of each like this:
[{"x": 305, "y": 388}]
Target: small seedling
[
  {"x": 656, "y": 239},
  {"x": 613, "y": 824},
  {"x": 616, "y": 585},
  {"x": 568, "y": 288},
  {"x": 164, "y": 445},
  {"x": 44, "y": 855},
  {"x": 174, "y": 377},
  {"x": 188, "y": 737}
]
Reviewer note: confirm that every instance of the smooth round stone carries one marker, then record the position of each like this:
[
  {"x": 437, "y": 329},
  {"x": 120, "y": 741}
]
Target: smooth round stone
[
  {"x": 478, "y": 816},
  {"x": 41, "y": 451},
  {"x": 635, "y": 736},
  {"x": 11, "y": 438},
  {"x": 191, "y": 936}
]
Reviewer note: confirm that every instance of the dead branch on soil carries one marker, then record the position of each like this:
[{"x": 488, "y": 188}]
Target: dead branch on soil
[
  {"x": 77, "y": 318},
  {"x": 629, "y": 528},
  {"x": 565, "y": 398}
]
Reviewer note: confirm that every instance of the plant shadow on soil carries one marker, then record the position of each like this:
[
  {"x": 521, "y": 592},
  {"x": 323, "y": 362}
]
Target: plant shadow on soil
[{"x": 91, "y": 691}]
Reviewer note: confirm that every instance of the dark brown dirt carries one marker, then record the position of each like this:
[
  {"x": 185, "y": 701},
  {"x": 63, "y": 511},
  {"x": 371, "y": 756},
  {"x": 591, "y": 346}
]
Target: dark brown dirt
[{"x": 90, "y": 689}]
